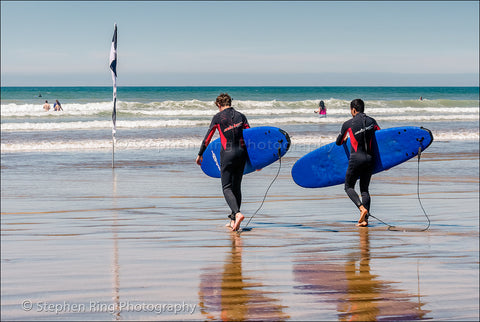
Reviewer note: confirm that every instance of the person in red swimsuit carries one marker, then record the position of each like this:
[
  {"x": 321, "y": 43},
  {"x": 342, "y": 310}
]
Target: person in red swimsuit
[
  {"x": 361, "y": 129},
  {"x": 233, "y": 155}
]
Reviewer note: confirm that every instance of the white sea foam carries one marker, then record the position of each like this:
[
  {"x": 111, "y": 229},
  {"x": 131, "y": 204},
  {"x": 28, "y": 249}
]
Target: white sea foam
[
  {"x": 185, "y": 122},
  {"x": 20, "y": 120},
  {"x": 93, "y": 125},
  {"x": 304, "y": 142},
  {"x": 160, "y": 144},
  {"x": 201, "y": 108}
]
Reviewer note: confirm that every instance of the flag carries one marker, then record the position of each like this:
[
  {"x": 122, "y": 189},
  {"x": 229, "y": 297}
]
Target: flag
[{"x": 113, "y": 68}]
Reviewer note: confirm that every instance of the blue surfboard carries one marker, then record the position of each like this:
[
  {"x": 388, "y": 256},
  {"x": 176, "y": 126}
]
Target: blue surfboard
[
  {"x": 327, "y": 165},
  {"x": 264, "y": 143}
]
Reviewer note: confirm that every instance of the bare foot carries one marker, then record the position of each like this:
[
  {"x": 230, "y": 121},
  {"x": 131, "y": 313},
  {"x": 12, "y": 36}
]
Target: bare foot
[
  {"x": 238, "y": 219},
  {"x": 363, "y": 221},
  {"x": 362, "y": 224},
  {"x": 230, "y": 224}
]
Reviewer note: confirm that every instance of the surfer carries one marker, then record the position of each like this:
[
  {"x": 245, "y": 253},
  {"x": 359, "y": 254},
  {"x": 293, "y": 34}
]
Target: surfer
[
  {"x": 46, "y": 106},
  {"x": 361, "y": 129},
  {"x": 233, "y": 155},
  {"x": 57, "y": 107},
  {"x": 322, "y": 110}
]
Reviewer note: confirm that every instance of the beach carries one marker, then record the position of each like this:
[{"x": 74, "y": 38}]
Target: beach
[{"x": 147, "y": 240}]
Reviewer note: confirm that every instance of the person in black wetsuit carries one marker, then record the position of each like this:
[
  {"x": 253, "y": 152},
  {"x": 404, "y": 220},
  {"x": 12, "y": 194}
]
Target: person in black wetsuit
[
  {"x": 233, "y": 155},
  {"x": 361, "y": 129}
]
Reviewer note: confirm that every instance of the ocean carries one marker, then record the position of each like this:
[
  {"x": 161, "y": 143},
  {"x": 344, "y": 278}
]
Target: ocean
[
  {"x": 147, "y": 239},
  {"x": 177, "y": 117}
]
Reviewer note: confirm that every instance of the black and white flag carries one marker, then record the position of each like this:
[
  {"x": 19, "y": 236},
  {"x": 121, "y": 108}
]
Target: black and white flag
[{"x": 113, "y": 68}]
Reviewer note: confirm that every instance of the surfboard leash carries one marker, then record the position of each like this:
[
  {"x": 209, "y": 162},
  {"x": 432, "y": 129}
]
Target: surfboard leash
[
  {"x": 393, "y": 228},
  {"x": 389, "y": 226},
  {"x": 418, "y": 188},
  {"x": 266, "y": 192}
]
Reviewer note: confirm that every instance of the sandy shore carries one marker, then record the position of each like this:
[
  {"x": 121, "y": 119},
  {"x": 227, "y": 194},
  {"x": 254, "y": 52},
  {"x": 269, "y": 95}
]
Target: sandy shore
[{"x": 147, "y": 242}]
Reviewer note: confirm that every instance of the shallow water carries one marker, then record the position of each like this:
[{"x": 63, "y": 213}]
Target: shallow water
[{"x": 83, "y": 241}]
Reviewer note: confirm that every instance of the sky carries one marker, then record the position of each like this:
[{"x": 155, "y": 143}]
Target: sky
[{"x": 244, "y": 43}]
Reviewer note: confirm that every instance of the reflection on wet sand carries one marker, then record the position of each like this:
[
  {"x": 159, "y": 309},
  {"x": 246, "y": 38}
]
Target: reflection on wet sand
[
  {"x": 229, "y": 296},
  {"x": 115, "y": 263},
  {"x": 360, "y": 296}
]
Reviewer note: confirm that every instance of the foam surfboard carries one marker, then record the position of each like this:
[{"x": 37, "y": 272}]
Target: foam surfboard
[
  {"x": 327, "y": 165},
  {"x": 263, "y": 146}
]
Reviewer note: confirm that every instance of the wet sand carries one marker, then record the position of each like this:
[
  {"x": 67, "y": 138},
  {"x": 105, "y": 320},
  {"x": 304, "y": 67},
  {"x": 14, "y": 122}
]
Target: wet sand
[{"x": 147, "y": 242}]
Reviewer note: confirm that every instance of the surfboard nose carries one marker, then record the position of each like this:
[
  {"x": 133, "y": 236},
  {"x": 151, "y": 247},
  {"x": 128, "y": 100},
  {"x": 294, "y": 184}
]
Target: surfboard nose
[
  {"x": 287, "y": 137},
  {"x": 426, "y": 141}
]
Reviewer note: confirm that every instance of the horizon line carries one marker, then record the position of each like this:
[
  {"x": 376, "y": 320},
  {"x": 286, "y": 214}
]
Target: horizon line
[{"x": 119, "y": 86}]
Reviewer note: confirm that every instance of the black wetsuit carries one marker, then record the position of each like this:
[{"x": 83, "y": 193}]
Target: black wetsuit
[
  {"x": 361, "y": 129},
  {"x": 233, "y": 155}
]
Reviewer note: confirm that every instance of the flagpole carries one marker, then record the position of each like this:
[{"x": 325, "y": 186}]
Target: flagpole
[
  {"x": 113, "y": 154},
  {"x": 113, "y": 68}
]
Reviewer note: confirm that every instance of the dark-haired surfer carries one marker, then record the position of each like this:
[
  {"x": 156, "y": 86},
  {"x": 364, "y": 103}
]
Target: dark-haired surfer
[
  {"x": 322, "y": 110},
  {"x": 233, "y": 155},
  {"x": 46, "y": 106},
  {"x": 361, "y": 129}
]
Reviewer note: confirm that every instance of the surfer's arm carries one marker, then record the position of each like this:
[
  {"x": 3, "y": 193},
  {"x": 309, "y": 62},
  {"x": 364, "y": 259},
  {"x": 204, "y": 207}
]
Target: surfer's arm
[
  {"x": 375, "y": 125},
  {"x": 339, "y": 140},
  {"x": 208, "y": 137},
  {"x": 245, "y": 124},
  {"x": 342, "y": 136}
]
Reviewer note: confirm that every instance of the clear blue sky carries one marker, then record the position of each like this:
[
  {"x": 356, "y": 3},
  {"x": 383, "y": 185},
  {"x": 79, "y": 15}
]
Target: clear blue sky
[{"x": 241, "y": 43}]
